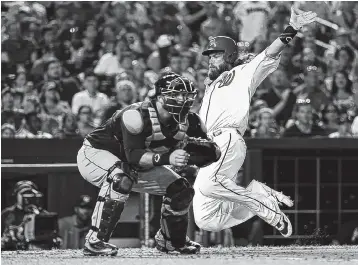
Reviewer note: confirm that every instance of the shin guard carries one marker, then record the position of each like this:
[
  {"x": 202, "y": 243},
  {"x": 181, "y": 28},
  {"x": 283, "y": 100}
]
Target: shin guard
[{"x": 174, "y": 213}]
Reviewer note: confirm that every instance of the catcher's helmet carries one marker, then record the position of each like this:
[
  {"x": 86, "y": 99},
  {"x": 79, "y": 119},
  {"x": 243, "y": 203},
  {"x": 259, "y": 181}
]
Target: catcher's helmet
[
  {"x": 179, "y": 94},
  {"x": 222, "y": 44}
]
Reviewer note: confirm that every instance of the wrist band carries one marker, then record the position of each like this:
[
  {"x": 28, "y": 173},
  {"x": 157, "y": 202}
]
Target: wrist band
[
  {"x": 161, "y": 159},
  {"x": 287, "y": 35}
]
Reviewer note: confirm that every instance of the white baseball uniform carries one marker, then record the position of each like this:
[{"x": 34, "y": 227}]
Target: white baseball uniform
[{"x": 218, "y": 202}]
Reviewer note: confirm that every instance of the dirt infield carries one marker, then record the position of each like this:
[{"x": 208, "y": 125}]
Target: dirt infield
[{"x": 208, "y": 256}]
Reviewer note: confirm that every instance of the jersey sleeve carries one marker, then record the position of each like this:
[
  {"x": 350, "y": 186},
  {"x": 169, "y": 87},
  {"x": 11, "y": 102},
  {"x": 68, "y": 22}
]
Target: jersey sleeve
[
  {"x": 254, "y": 72},
  {"x": 133, "y": 140}
]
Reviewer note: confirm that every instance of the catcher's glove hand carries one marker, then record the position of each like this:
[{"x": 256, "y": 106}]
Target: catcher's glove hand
[{"x": 202, "y": 152}]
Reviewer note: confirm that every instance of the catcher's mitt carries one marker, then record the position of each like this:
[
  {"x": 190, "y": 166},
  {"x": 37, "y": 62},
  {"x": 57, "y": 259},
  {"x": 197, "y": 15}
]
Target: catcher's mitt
[{"x": 202, "y": 152}]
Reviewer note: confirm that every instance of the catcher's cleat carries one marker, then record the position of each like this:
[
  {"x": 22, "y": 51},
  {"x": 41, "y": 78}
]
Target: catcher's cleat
[
  {"x": 284, "y": 226},
  {"x": 279, "y": 196},
  {"x": 166, "y": 246},
  {"x": 99, "y": 248}
]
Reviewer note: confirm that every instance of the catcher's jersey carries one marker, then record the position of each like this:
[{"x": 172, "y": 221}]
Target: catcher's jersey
[
  {"x": 113, "y": 136},
  {"x": 226, "y": 101}
]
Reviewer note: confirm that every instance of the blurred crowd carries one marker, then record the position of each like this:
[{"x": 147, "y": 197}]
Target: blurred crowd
[{"x": 68, "y": 66}]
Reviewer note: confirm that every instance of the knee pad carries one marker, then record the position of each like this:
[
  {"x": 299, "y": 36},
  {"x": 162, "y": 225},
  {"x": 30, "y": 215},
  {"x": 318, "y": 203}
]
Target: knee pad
[
  {"x": 122, "y": 183},
  {"x": 180, "y": 194}
]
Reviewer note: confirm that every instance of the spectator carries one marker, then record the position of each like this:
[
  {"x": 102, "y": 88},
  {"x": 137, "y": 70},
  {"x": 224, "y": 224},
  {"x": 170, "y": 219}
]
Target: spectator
[
  {"x": 125, "y": 96},
  {"x": 33, "y": 128},
  {"x": 67, "y": 86},
  {"x": 31, "y": 104},
  {"x": 84, "y": 120},
  {"x": 214, "y": 25},
  {"x": 139, "y": 78},
  {"x": 174, "y": 63},
  {"x": 8, "y": 113},
  {"x": 344, "y": 130},
  {"x": 341, "y": 92},
  {"x": 149, "y": 45},
  {"x": 90, "y": 97},
  {"x": 29, "y": 90},
  {"x": 16, "y": 49},
  {"x": 51, "y": 105},
  {"x": 303, "y": 125},
  {"x": 310, "y": 89},
  {"x": 345, "y": 16},
  {"x": 69, "y": 129},
  {"x": 280, "y": 98},
  {"x": 109, "y": 63},
  {"x": 73, "y": 229},
  {"x": 247, "y": 12},
  {"x": 163, "y": 23},
  {"x": 330, "y": 118},
  {"x": 310, "y": 58},
  {"x": 20, "y": 82},
  {"x": 126, "y": 61},
  {"x": 7, "y": 100},
  {"x": 187, "y": 62},
  {"x": 266, "y": 127},
  {"x": 345, "y": 58},
  {"x": 254, "y": 110},
  {"x": 7, "y": 131},
  {"x": 193, "y": 14},
  {"x": 88, "y": 53},
  {"x": 18, "y": 100}
]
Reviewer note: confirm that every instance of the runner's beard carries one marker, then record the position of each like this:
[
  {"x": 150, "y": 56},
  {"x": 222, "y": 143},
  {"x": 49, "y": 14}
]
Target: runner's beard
[{"x": 215, "y": 73}]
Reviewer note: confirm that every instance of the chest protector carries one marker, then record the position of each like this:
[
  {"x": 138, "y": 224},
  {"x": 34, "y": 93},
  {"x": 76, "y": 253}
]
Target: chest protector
[{"x": 157, "y": 134}]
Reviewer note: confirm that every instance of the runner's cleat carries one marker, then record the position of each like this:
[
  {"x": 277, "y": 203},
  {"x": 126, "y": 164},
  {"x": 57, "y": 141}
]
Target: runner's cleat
[
  {"x": 279, "y": 196},
  {"x": 284, "y": 226}
]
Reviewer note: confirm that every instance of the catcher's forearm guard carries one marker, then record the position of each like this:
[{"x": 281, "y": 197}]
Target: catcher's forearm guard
[{"x": 202, "y": 152}]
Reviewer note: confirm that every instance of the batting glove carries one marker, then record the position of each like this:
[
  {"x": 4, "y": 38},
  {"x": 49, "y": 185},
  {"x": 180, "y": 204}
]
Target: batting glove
[{"x": 300, "y": 18}]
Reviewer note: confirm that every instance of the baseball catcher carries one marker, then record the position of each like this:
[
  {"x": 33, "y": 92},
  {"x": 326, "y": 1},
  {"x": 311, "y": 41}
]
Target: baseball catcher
[{"x": 136, "y": 150}]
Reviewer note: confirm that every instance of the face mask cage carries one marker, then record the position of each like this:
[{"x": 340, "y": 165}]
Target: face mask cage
[{"x": 179, "y": 101}]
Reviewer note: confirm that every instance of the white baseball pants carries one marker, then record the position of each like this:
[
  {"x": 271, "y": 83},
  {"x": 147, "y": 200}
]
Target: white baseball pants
[{"x": 219, "y": 203}]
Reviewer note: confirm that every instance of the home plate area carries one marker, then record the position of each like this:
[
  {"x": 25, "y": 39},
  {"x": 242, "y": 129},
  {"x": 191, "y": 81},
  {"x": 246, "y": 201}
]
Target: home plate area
[{"x": 208, "y": 256}]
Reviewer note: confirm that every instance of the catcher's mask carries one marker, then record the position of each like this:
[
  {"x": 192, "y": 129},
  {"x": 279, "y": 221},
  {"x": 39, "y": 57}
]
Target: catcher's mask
[{"x": 178, "y": 93}]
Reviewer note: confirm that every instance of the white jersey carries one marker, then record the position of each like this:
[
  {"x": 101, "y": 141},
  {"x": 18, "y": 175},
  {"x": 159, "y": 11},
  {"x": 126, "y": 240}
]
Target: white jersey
[
  {"x": 226, "y": 101},
  {"x": 253, "y": 16}
]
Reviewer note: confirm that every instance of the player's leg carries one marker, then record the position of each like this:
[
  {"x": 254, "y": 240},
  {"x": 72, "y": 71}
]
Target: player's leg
[
  {"x": 104, "y": 170},
  {"x": 220, "y": 203},
  {"x": 177, "y": 195}
]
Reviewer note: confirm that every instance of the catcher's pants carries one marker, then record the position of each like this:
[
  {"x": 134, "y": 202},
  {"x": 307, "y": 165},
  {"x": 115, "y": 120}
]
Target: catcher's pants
[
  {"x": 94, "y": 164},
  {"x": 219, "y": 203}
]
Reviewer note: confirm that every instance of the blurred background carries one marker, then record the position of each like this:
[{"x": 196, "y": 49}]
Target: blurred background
[{"x": 68, "y": 66}]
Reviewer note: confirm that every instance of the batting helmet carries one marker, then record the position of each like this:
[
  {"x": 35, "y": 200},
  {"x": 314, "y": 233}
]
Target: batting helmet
[
  {"x": 223, "y": 44},
  {"x": 179, "y": 94}
]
